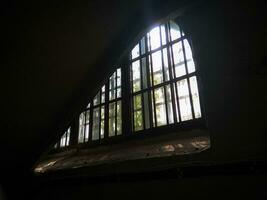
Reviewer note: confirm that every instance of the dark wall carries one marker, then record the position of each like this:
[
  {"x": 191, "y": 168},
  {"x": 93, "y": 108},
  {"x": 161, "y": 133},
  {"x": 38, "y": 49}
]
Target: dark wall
[{"x": 229, "y": 41}]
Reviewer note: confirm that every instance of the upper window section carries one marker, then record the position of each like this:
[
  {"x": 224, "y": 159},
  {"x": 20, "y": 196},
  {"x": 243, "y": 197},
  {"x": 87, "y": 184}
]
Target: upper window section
[{"x": 163, "y": 80}]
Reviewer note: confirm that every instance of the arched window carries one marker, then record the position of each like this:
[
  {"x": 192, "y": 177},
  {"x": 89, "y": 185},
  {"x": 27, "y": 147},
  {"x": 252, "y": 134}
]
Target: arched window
[
  {"x": 162, "y": 87},
  {"x": 154, "y": 91}
]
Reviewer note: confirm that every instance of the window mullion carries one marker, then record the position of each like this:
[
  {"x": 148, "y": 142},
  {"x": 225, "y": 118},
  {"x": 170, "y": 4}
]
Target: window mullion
[
  {"x": 174, "y": 74},
  {"x": 187, "y": 79},
  {"x": 153, "y": 93},
  {"x": 163, "y": 74},
  {"x": 142, "y": 87}
]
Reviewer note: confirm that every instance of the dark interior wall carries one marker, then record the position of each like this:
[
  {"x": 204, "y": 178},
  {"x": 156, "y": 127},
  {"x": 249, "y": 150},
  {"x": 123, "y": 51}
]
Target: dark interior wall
[{"x": 229, "y": 41}]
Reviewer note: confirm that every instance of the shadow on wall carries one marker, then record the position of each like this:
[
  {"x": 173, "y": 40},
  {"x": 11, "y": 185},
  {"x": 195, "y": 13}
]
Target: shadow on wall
[{"x": 2, "y": 194}]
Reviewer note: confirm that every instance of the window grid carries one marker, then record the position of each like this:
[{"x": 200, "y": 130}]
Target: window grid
[
  {"x": 167, "y": 80},
  {"x": 163, "y": 89}
]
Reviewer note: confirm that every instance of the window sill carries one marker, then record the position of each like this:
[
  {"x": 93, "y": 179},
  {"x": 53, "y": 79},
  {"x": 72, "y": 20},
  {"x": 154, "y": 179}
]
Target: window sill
[{"x": 170, "y": 146}]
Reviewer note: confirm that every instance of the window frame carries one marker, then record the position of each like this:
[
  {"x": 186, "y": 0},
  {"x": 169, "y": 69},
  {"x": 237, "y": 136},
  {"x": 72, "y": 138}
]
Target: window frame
[{"x": 126, "y": 87}]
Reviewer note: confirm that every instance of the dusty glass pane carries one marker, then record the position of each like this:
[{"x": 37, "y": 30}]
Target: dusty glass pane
[
  {"x": 195, "y": 96},
  {"x": 87, "y": 113},
  {"x": 189, "y": 58},
  {"x": 119, "y": 118},
  {"x": 112, "y": 119},
  {"x": 160, "y": 106},
  {"x": 96, "y": 123},
  {"x": 154, "y": 37},
  {"x": 63, "y": 140},
  {"x": 81, "y": 127},
  {"x": 175, "y": 31},
  {"x": 136, "y": 76},
  {"x": 102, "y": 128},
  {"x": 175, "y": 101},
  {"x": 144, "y": 72},
  {"x": 103, "y": 94},
  {"x": 184, "y": 100},
  {"x": 157, "y": 67},
  {"x": 137, "y": 102},
  {"x": 86, "y": 132},
  {"x": 146, "y": 110},
  {"x": 135, "y": 51},
  {"x": 165, "y": 64},
  {"x": 138, "y": 120},
  {"x": 118, "y": 77},
  {"x": 153, "y": 107},
  {"x": 143, "y": 46},
  {"x": 118, "y": 92},
  {"x": 97, "y": 99},
  {"x": 163, "y": 34},
  {"x": 169, "y": 104},
  {"x": 178, "y": 58},
  {"x": 112, "y": 86}
]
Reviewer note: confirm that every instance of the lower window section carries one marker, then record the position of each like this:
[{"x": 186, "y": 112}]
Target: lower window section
[
  {"x": 115, "y": 125},
  {"x": 170, "y": 103}
]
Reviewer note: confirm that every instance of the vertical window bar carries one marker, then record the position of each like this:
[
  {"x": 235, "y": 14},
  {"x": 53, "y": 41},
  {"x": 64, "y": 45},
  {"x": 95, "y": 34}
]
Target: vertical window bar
[
  {"x": 132, "y": 94},
  {"x": 91, "y": 122},
  {"x": 84, "y": 125},
  {"x": 163, "y": 73},
  {"x": 151, "y": 65},
  {"x": 106, "y": 114},
  {"x": 142, "y": 87},
  {"x": 116, "y": 76},
  {"x": 148, "y": 83},
  {"x": 174, "y": 75},
  {"x": 175, "y": 115},
  {"x": 187, "y": 79}
]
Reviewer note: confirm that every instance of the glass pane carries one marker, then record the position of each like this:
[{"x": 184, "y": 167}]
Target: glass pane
[
  {"x": 136, "y": 76},
  {"x": 175, "y": 31},
  {"x": 157, "y": 67},
  {"x": 195, "y": 96},
  {"x": 189, "y": 58},
  {"x": 86, "y": 132},
  {"x": 81, "y": 127},
  {"x": 143, "y": 46},
  {"x": 112, "y": 119},
  {"x": 163, "y": 34},
  {"x": 184, "y": 100},
  {"x": 137, "y": 102},
  {"x": 146, "y": 110},
  {"x": 118, "y": 92},
  {"x": 102, "y": 128},
  {"x": 87, "y": 113},
  {"x": 112, "y": 86},
  {"x": 169, "y": 104},
  {"x": 96, "y": 122},
  {"x": 97, "y": 99},
  {"x": 166, "y": 64},
  {"x": 160, "y": 106},
  {"x": 138, "y": 120},
  {"x": 118, "y": 77},
  {"x": 119, "y": 127},
  {"x": 103, "y": 94},
  {"x": 144, "y": 72},
  {"x": 154, "y": 37},
  {"x": 135, "y": 51},
  {"x": 178, "y": 58}
]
